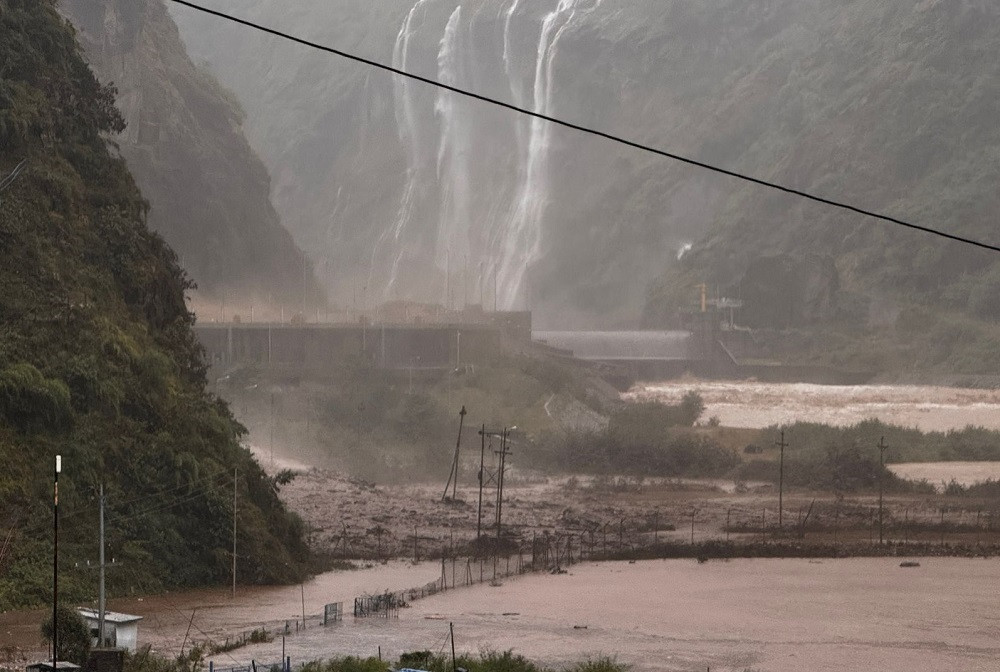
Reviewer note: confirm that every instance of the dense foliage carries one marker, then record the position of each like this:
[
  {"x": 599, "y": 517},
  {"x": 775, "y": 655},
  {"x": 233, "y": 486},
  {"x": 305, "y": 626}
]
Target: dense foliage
[
  {"x": 847, "y": 459},
  {"x": 648, "y": 439},
  {"x": 98, "y": 362},
  {"x": 74, "y": 635}
]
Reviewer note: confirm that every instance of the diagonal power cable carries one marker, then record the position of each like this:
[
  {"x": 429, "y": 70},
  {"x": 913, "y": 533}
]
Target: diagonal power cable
[{"x": 590, "y": 131}]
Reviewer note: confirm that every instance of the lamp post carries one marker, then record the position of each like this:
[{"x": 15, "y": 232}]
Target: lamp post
[{"x": 55, "y": 564}]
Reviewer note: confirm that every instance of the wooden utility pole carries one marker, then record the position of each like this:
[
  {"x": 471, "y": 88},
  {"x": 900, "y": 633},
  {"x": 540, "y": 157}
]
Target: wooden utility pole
[
  {"x": 453, "y": 474},
  {"x": 482, "y": 456},
  {"x": 781, "y": 479},
  {"x": 881, "y": 459},
  {"x": 502, "y": 453},
  {"x": 451, "y": 630}
]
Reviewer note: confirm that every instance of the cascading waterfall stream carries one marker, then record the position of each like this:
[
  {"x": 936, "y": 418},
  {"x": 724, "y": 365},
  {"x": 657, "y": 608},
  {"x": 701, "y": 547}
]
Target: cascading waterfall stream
[
  {"x": 521, "y": 241},
  {"x": 453, "y": 156},
  {"x": 456, "y": 206},
  {"x": 409, "y": 136}
]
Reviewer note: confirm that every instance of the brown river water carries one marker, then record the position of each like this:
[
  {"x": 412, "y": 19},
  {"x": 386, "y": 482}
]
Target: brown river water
[
  {"x": 766, "y": 615},
  {"x": 761, "y": 615},
  {"x": 756, "y": 405}
]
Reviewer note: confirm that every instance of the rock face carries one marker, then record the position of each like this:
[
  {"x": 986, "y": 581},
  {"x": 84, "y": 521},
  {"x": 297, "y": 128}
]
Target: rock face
[
  {"x": 782, "y": 291},
  {"x": 399, "y": 190},
  {"x": 208, "y": 191}
]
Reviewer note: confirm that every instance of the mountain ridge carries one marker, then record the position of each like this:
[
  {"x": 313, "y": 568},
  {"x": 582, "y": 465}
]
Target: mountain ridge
[{"x": 208, "y": 191}]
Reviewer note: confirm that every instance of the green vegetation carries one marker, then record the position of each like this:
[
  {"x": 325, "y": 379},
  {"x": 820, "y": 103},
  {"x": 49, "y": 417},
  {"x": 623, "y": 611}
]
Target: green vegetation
[
  {"x": 74, "y": 637},
  {"x": 98, "y": 362},
  {"x": 847, "y": 458},
  {"x": 397, "y": 425},
  {"x": 647, "y": 439},
  {"x": 487, "y": 661}
]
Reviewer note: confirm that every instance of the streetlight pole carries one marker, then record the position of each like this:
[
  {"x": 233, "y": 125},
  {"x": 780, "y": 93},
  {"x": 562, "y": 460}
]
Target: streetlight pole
[
  {"x": 881, "y": 455},
  {"x": 101, "y": 596},
  {"x": 55, "y": 564}
]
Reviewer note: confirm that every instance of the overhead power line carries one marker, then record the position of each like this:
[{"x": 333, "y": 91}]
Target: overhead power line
[{"x": 590, "y": 131}]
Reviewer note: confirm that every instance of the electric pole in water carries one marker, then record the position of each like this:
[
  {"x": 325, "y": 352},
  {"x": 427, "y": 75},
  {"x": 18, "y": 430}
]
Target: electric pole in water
[
  {"x": 482, "y": 457},
  {"x": 881, "y": 459},
  {"x": 781, "y": 478},
  {"x": 502, "y": 453},
  {"x": 453, "y": 474}
]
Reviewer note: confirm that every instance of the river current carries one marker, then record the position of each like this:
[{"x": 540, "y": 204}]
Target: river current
[{"x": 762, "y": 615}]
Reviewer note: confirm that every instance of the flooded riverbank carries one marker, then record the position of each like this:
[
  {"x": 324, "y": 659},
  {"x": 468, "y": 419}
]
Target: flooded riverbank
[
  {"x": 172, "y": 619},
  {"x": 940, "y": 474},
  {"x": 765, "y": 615},
  {"x": 756, "y": 405}
]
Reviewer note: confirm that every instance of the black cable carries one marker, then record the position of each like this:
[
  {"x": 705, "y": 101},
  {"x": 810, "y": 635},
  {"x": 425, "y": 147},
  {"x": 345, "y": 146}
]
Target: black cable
[{"x": 590, "y": 131}]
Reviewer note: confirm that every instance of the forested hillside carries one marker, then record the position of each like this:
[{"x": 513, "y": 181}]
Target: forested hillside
[
  {"x": 98, "y": 362},
  {"x": 209, "y": 194}
]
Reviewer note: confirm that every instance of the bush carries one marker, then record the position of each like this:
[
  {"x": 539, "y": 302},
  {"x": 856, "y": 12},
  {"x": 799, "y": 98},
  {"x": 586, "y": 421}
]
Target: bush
[{"x": 74, "y": 637}]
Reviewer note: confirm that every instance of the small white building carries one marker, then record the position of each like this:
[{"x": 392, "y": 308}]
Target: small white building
[{"x": 120, "y": 630}]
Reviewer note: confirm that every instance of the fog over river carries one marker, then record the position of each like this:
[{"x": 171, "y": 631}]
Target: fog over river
[
  {"x": 753, "y": 404},
  {"x": 766, "y": 615}
]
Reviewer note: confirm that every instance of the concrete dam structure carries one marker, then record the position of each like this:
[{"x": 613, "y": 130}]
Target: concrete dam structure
[{"x": 319, "y": 348}]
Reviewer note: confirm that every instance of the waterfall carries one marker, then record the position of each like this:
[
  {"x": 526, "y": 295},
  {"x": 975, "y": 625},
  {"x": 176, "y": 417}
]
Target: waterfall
[
  {"x": 409, "y": 136},
  {"x": 454, "y": 144},
  {"x": 520, "y": 245},
  {"x": 463, "y": 199}
]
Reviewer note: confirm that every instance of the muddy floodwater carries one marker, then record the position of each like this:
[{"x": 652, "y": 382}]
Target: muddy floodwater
[
  {"x": 939, "y": 474},
  {"x": 756, "y": 405},
  {"x": 766, "y": 615}
]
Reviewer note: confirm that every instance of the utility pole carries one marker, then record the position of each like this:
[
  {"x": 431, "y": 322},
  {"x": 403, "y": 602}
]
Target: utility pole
[
  {"x": 503, "y": 452},
  {"x": 451, "y": 630},
  {"x": 453, "y": 474},
  {"x": 781, "y": 479},
  {"x": 881, "y": 459},
  {"x": 235, "y": 481},
  {"x": 55, "y": 565},
  {"x": 482, "y": 457}
]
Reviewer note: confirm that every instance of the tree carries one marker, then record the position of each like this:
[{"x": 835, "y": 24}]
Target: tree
[{"x": 74, "y": 637}]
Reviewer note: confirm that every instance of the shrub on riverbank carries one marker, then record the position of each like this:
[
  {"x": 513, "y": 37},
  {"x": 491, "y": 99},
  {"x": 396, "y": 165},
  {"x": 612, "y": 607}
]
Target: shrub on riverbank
[
  {"x": 644, "y": 439},
  {"x": 487, "y": 661}
]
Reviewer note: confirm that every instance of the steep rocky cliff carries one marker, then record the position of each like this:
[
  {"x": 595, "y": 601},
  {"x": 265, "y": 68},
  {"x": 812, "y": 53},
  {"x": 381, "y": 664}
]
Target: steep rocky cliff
[
  {"x": 98, "y": 360},
  {"x": 403, "y": 190},
  {"x": 208, "y": 191}
]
